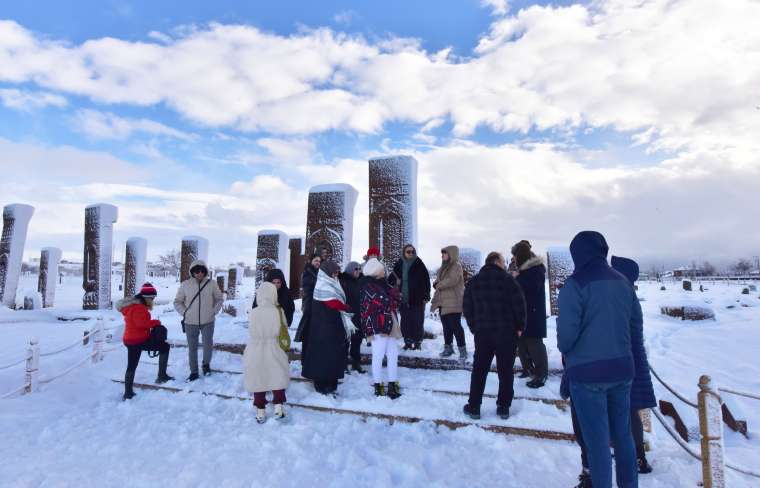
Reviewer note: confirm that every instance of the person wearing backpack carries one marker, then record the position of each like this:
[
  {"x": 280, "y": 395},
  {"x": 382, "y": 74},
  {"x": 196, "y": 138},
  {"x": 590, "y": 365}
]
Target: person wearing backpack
[
  {"x": 265, "y": 360},
  {"x": 139, "y": 336},
  {"x": 198, "y": 300}
]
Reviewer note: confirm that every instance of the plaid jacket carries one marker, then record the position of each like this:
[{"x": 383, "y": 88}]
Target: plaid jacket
[{"x": 494, "y": 300}]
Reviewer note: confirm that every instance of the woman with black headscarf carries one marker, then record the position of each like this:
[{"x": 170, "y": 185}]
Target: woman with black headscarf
[{"x": 277, "y": 278}]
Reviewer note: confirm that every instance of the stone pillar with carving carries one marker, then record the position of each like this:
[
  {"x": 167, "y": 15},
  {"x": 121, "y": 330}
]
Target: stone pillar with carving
[
  {"x": 330, "y": 221},
  {"x": 472, "y": 261},
  {"x": 232, "y": 282},
  {"x": 134, "y": 265},
  {"x": 220, "y": 283},
  {"x": 392, "y": 205},
  {"x": 559, "y": 264},
  {"x": 50, "y": 257},
  {"x": 193, "y": 247},
  {"x": 98, "y": 245},
  {"x": 297, "y": 265},
  {"x": 16, "y": 219},
  {"x": 271, "y": 252}
]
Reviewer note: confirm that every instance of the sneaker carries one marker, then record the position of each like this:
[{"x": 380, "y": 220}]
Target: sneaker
[
  {"x": 448, "y": 350},
  {"x": 193, "y": 377},
  {"x": 163, "y": 379},
  {"x": 279, "y": 412},
  {"x": 261, "y": 415},
  {"x": 644, "y": 466},
  {"x": 206, "y": 370},
  {"x": 536, "y": 383},
  {"x": 472, "y": 412},
  {"x": 379, "y": 389},
  {"x": 502, "y": 411},
  {"x": 394, "y": 390},
  {"x": 584, "y": 480}
]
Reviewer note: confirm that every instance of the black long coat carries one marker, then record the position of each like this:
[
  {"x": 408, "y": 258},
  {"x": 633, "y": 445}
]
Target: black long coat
[
  {"x": 308, "y": 282},
  {"x": 326, "y": 359},
  {"x": 419, "y": 281},
  {"x": 532, "y": 281},
  {"x": 352, "y": 290}
]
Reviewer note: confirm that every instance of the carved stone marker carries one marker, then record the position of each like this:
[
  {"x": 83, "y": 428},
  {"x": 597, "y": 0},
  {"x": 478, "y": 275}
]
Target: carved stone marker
[
  {"x": 220, "y": 282},
  {"x": 330, "y": 221},
  {"x": 98, "y": 243},
  {"x": 271, "y": 252},
  {"x": 49, "y": 259},
  {"x": 16, "y": 219},
  {"x": 560, "y": 265},
  {"x": 472, "y": 261},
  {"x": 392, "y": 205},
  {"x": 193, "y": 247},
  {"x": 232, "y": 283},
  {"x": 297, "y": 264},
  {"x": 134, "y": 265}
]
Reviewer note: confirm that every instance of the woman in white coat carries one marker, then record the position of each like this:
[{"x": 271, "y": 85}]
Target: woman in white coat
[{"x": 266, "y": 364}]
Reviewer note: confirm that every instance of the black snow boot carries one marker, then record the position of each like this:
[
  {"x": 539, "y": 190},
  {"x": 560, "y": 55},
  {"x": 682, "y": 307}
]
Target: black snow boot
[
  {"x": 472, "y": 412},
  {"x": 163, "y": 361},
  {"x": 193, "y": 377},
  {"x": 379, "y": 389},
  {"x": 206, "y": 369},
  {"x": 502, "y": 411},
  {"x": 524, "y": 373},
  {"x": 584, "y": 479},
  {"x": 394, "y": 390},
  {"x": 536, "y": 383},
  {"x": 129, "y": 380},
  {"x": 448, "y": 350},
  {"x": 644, "y": 466}
]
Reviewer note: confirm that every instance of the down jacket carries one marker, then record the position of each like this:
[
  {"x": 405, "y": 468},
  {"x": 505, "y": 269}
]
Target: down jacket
[
  {"x": 449, "y": 286},
  {"x": 266, "y": 364},
  {"x": 137, "y": 321},
  {"x": 206, "y": 306}
]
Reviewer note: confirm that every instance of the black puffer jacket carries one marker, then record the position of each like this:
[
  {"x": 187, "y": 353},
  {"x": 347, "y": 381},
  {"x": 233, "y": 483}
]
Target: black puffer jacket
[
  {"x": 352, "y": 290},
  {"x": 493, "y": 300}
]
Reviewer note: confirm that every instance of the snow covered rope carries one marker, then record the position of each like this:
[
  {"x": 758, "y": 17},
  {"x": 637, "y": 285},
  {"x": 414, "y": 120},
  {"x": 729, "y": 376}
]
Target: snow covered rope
[
  {"x": 671, "y": 390},
  {"x": 78, "y": 341},
  {"x": 69, "y": 370},
  {"x": 730, "y": 392},
  {"x": 15, "y": 363}
]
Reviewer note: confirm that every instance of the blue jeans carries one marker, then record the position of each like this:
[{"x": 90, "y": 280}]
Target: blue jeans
[{"x": 604, "y": 412}]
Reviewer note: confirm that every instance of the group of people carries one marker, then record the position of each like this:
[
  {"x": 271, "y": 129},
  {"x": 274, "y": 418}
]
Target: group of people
[{"x": 599, "y": 333}]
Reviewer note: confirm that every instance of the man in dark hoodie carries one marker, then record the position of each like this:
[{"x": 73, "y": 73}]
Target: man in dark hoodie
[{"x": 598, "y": 316}]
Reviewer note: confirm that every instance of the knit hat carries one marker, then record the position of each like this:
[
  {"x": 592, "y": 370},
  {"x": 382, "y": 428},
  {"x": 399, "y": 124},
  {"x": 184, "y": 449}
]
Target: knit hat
[
  {"x": 521, "y": 251},
  {"x": 330, "y": 267},
  {"x": 148, "y": 291},
  {"x": 373, "y": 251},
  {"x": 374, "y": 268}
]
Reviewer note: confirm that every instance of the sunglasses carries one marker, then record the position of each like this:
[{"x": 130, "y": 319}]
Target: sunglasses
[{"x": 411, "y": 252}]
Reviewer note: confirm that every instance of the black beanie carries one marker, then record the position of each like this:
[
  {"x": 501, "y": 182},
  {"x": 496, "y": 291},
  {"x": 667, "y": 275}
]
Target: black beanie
[{"x": 521, "y": 251}]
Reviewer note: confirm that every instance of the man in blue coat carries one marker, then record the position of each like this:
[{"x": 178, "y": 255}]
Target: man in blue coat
[{"x": 598, "y": 315}]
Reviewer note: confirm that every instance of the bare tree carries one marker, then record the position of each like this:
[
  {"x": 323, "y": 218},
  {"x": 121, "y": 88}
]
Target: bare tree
[
  {"x": 708, "y": 268},
  {"x": 170, "y": 260},
  {"x": 742, "y": 266}
]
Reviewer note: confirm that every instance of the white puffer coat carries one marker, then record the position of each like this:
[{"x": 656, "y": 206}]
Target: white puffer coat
[{"x": 266, "y": 364}]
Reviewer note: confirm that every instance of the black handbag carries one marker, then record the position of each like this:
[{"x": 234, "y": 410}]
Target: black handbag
[{"x": 158, "y": 335}]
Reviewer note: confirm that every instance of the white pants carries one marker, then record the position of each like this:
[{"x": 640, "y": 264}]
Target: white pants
[{"x": 387, "y": 346}]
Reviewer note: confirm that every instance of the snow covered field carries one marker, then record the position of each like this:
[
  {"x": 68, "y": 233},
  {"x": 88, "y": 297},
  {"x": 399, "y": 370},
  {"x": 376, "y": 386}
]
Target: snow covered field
[{"x": 77, "y": 431}]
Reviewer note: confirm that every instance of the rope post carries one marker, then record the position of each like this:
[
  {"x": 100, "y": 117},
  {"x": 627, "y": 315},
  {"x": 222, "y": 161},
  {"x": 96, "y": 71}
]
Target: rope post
[
  {"x": 711, "y": 430},
  {"x": 32, "y": 365},
  {"x": 97, "y": 341}
]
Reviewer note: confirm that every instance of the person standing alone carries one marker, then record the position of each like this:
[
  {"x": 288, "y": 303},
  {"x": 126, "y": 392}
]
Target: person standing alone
[{"x": 412, "y": 278}]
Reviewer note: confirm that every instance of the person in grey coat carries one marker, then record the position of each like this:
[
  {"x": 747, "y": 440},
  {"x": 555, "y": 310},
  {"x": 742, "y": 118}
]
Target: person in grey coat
[{"x": 198, "y": 300}]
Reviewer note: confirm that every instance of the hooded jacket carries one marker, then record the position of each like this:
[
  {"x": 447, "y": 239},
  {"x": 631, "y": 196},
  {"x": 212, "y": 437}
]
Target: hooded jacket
[
  {"x": 284, "y": 299},
  {"x": 137, "y": 321},
  {"x": 449, "y": 285},
  {"x": 208, "y": 303},
  {"x": 531, "y": 278},
  {"x": 598, "y": 315},
  {"x": 266, "y": 364}
]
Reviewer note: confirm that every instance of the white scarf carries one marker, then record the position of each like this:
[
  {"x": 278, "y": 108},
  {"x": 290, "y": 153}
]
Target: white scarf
[{"x": 328, "y": 288}]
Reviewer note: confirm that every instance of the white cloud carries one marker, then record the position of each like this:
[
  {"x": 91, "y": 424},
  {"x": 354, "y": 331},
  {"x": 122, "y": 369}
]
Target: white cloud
[
  {"x": 105, "y": 125},
  {"x": 498, "y": 7},
  {"x": 30, "y": 100},
  {"x": 346, "y": 17}
]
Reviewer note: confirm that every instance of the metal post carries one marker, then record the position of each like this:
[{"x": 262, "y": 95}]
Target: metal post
[
  {"x": 32, "y": 365},
  {"x": 711, "y": 431}
]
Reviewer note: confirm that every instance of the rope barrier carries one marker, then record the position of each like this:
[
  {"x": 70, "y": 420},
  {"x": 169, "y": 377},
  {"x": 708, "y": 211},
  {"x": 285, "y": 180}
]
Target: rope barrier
[
  {"x": 10, "y": 365},
  {"x": 11, "y": 393},
  {"x": 671, "y": 390},
  {"x": 67, "y": 371},
  {"x": 65, "y": 348},
  {"x": 732, "y": 392}
]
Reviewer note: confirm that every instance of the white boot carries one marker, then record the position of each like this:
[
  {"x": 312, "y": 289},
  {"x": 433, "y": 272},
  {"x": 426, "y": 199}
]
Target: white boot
[
  {"x": 279, "y": 412},
  {"x": 261, "y": 415}
]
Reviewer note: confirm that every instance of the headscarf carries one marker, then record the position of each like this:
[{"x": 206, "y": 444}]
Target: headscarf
[{"x": 328, "y": 288}]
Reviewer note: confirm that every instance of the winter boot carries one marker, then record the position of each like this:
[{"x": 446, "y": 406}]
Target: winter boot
[
  {"x": 261, "y": 415},
  {"x": 644, "y": 466},
  {"x": 193, "y": 377},
  {"x": 417, "y": 346},
  {"x": 472, "y": 412},
  {"x": 536, "y": 383},
  {"x": 206, "y": 369},
  {"x": 129, "y": 379},
  {"x": 163, "y": 361},
  {"x": 279, "y": 412},
  {"x": 524, "y": 374},
  {"x": 379, "y": 389},
  {"x": 408, "y": 346},
  {"x": 394, "y": 390},
  {"x": 357, "y": 366},
  {"x": 502, "y": 411},
  {"x": 448, "y": 350},
  {"x": 584, "y": 479},
  {"x": 462, "y": 353}
]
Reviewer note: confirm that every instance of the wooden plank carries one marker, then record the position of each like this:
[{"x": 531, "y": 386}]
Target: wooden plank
[
  {"x": 451, "y": 424},
  {"x": 733, "y": 424},
  {"x": 669, "y": 409}
]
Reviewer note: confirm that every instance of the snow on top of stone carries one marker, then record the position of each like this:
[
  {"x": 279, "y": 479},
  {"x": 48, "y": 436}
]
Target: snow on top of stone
[
  {"x": 19, "y": 210},
  {"x": 272, "y": 232},
  {"x": 136, "y": 240},
  {"x": 397, "y": 157},
  {"x": 558, "y": 249},
  {"x": 334, "y": 188},
  {"x": 195, "y": 238}
]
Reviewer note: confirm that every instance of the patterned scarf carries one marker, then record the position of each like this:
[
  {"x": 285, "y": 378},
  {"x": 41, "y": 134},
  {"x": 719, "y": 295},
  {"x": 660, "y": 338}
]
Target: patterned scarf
[{"x": 328, "y": 288}]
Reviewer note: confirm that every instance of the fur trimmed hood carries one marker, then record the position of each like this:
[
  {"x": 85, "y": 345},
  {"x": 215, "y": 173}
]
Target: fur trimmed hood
[
  {"x": 126, "y": 302},
  {"x": 532, "y": 262}
]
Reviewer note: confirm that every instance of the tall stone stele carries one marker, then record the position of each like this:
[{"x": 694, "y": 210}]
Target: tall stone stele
[
  {"x": 392, "y": 204},
  {"x": 271, "y": 252},
  {"x": 559, "y": 264},
  {"x": 330, "y": 220},
  {"x": 472, "y": 261},
  {"x": 297, "y": 265},
  {"x": 232, "y": 282},
  {"x": 193, "y": 247},
  {"x": 98, "y": 245},
  {"x": 134, "y": 265},
  {"x": 16, "y": 219},
  {"x": 50, "y": 257}
]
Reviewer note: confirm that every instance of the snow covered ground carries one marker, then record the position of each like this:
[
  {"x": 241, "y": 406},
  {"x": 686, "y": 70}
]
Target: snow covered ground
[{"x": 77, "y": 431}]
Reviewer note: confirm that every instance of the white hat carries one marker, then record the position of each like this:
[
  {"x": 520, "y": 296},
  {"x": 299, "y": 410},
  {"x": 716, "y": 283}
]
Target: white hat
[{"x": 374, "y": 268}]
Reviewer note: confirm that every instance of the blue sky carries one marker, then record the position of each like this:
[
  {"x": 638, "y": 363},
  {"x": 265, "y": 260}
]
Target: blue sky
[{"x": 563, "y": 116}]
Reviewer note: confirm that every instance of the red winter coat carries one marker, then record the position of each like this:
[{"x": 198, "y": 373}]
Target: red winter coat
[{"x": 137, "y": 321}]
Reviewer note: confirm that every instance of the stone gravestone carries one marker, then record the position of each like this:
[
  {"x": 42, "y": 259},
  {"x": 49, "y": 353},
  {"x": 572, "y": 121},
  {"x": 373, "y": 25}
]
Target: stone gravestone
[
  {"x": 232, "y": 283},
  {"x": 392, "y": 205},
  {"x": 330, "y": 221},
  {"x": 49, "y": 259},
  {"x": 134, "y": 265},
  {"x": 16, "y": 219},
  {"x": 220, "y": 282},
  {"x": 472, "y": 261},
  {"x": 193, "y": 247},
  {"x": 98, "y": 245},
  {"x": 297, "y": 265},
  {"x": 271, "y": 252},
  {"x": 560, "y": 265},
  {"x": 686, "y": 285}
]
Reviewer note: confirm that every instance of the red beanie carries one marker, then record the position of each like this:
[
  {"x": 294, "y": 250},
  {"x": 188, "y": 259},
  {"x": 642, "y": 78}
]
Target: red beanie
[
  {"x": 373, "y": 251},
  {"x": 148, "y": 291}
]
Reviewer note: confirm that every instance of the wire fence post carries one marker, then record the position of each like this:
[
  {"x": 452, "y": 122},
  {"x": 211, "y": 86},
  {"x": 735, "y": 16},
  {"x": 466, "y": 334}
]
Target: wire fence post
[
  {"x": 97, "y": 341},
  {"x": 32, "y": 365},
  {"x": 711, "y": 431}
]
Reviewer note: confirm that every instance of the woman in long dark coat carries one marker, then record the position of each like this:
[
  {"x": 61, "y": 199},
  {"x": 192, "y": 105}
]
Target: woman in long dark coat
[
  {"x": 413, "y": 281},
  {"x": 284, "y": 300},
  {"x": 308, "y": 281}
]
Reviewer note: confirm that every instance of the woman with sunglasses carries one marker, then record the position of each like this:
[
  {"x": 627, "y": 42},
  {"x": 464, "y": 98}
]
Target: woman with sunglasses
[{"x": 413, "y": 280}]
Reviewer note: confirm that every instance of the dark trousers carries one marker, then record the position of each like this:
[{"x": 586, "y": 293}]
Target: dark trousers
[
  {"x": 533, "y": 356},
  {"x": 490, "y": 343},
  {"x": 637, "y": 429},
  {"x": 354, "y": 346},
  {"x": 413, "y": 323},
  {"x": 452, "y": 327},
  {"x": 135, "y": 351},
  {"x": 260, "y": 398}
]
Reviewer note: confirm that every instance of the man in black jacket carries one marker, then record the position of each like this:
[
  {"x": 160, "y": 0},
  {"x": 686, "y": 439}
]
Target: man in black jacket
[
  {"x": 494, "y": 307},
  {"x": 413, "y": 281}
]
